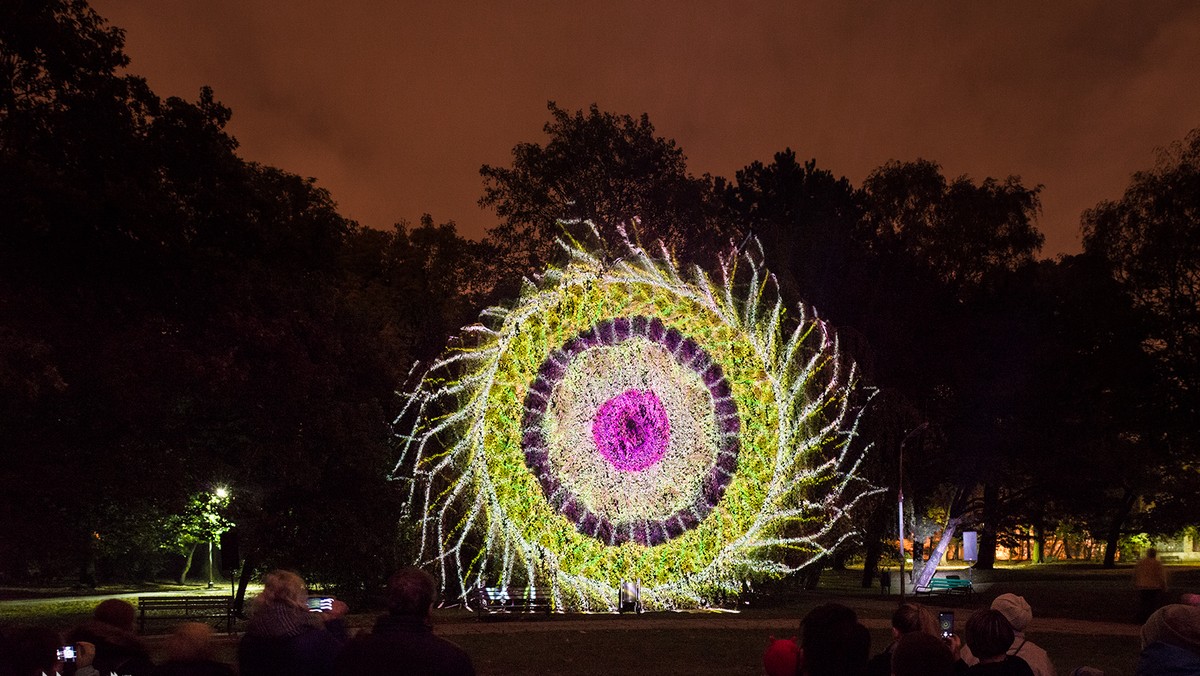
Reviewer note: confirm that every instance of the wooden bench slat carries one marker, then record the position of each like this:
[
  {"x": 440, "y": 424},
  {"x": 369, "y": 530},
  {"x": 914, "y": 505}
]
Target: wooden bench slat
[
  {"x": 504, "y": 600},
  {"x": 185, "y": 608}
]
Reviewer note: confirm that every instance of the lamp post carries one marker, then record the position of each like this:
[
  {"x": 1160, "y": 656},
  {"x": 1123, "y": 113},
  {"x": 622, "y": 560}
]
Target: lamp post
[
  {"x": 222, "y": 494},
  {"x": 900, "y": 501}
]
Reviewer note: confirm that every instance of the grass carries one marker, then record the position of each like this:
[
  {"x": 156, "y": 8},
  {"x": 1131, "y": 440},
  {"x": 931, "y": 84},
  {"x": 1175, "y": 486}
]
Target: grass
[
  {"x": 720, "y": 643},
  {"x": 717, "y": 652}
]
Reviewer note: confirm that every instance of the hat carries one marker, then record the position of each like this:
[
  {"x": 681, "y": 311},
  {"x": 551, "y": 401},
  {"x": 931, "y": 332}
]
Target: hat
[
  {"x": 116, "y": 612},
  {"x": 780, "y": 658},
  {"x": 1014, "y": 609},
  {"x": 1176, "y": 624}
]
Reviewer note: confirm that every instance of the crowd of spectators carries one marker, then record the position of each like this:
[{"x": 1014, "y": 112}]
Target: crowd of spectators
[
  {"x": 834, "y": 643},
  {"x": 283, "y": 637}
]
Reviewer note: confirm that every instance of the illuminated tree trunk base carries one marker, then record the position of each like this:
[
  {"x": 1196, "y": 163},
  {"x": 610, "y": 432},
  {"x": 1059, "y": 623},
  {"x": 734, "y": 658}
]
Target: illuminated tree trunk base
[{"x": 187, "y": 563}]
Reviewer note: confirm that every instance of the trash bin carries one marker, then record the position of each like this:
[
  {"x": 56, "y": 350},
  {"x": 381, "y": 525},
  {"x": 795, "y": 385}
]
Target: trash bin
[{"x": 629, "y": 600}]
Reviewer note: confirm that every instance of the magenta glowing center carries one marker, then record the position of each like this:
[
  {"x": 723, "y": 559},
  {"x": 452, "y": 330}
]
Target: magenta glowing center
[{"x": 631, "y": 430}]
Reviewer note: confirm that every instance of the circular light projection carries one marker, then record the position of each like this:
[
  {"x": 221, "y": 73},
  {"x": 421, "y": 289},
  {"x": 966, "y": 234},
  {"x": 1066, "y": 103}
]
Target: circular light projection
[{"x": 620, "y": 422}]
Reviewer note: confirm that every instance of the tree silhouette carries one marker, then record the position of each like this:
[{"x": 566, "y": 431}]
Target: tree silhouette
[{"x": 598, "y": 166}]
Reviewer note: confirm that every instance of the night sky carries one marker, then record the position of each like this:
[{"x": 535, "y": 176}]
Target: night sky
[{"x": 393, "y": 106}]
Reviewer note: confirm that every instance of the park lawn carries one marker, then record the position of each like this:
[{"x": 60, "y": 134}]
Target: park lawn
[
  {"x": 686, "y": 650},
  {"x": 716, "y": 651},
  {"x": 57, "y": 613},
  {"x": 691, "y": 650}
]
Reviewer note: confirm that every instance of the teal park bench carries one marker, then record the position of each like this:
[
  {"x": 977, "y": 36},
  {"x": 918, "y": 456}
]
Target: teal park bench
[{"x": 951, "y": 584}]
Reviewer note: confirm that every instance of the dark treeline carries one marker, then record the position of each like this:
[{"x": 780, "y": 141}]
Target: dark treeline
[{"x": 174, "y": 318}]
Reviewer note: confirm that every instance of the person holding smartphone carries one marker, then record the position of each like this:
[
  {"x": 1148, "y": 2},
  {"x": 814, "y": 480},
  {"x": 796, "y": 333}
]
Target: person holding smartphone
[
  {"x": 117, "y": 649},
  {"x": 283, "y": 638},
  {"x": 35, "y": 651},
  {"x": 908, "y": 618}
]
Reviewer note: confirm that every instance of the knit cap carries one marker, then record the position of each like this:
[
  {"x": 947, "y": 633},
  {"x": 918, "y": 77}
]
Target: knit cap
[
  {"x": 1176, "y": 624},
  {"x": 1014, "y": 609},
  {"x": 780, "y": 657}
]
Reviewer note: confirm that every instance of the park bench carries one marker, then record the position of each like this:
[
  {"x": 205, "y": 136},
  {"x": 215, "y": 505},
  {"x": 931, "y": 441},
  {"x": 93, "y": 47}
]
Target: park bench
[
  {"x": 200, "y": 608},
  {"x": 951, "y": 584},
  {"x": 501, "y": 601}
]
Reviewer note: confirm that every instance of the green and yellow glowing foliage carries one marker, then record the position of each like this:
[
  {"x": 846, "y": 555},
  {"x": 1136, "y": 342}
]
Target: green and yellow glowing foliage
[{"x": 623, "y": 422}]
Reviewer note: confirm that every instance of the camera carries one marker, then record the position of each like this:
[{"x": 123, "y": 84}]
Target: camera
[
  {"x": 67, "y": 653},
  {"x": 320, "y": 604},
  {"x": 946, "y": 623}
]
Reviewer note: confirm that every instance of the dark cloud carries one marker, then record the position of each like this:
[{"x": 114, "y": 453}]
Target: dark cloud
[{"x": 393, "y": 106}]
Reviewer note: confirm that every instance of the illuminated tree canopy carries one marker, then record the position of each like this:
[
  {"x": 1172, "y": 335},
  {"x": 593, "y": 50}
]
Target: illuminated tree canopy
[{"x": 621, "y": 421}]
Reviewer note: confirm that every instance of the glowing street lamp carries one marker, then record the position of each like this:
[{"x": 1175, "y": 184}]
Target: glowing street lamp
[{"x": 222, "y": 495}]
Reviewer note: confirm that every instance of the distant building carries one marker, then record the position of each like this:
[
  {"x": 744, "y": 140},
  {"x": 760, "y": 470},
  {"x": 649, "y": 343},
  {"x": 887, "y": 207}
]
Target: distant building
[{"x": 1184, "y": 548}]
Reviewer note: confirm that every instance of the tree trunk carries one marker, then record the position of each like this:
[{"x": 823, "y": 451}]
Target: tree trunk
[
  {"x": 1039, "y": 541},
  {"x": 918, "y": 553},
  {"x": 1114, "y": 529},
  {"x": 187, "y": 563},
  {"x": 239, "y": 600},
  {"x": 87, "y": 567},
  {"x": 987, "y": 534},
  {"x": 838, "y": 561},
  {"x": 930, "y": 567},
  {"x": 871, "y": 561},
  {"x": 812, "y": 574},
  {"x": 873, "y": 539},
  {"x": 987, "y": 549}
]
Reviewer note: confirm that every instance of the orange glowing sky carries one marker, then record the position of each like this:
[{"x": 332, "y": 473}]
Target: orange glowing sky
[{"x": 394, "y": 105}]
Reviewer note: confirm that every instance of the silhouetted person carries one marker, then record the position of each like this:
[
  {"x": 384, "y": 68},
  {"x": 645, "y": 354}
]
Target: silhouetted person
[
  {"x": 29, "y": 651},
  {"x": 1019, "y": 614},
  {"x": 989, "y": 636},
  {"x": 908, "y": 618},
  {"x": 283, "y": 638},
  {"x": 1150, "y": 580},
  {"x": 917, "y": 653},
  {"x": 118, "y": 648},
  {"x": 832, "y": 643},
  {"x": 402, "y": 641},
  {"x": 190, "y": 652},
  {"x": 1171, "y": 642}
]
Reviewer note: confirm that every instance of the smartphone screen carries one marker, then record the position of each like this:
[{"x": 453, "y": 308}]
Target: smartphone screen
[
  {"x": 318, "y": 604},
  {"x": 66, "y": 653},
  {"x": 946, "y": 623}
]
